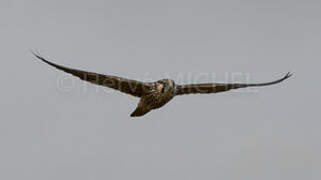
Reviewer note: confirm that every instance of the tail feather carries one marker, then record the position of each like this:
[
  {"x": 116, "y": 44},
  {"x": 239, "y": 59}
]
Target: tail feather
[{"x": 139, "y": 111}]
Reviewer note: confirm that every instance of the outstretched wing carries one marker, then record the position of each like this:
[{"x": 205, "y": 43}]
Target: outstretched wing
[
  {"x": 220, "y": 87},
  {"x": 132, "y": 87}
]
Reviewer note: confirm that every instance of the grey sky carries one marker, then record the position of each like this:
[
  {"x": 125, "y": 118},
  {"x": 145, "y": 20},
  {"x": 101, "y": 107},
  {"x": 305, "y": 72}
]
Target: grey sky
[{"x": 267, "y": 133}]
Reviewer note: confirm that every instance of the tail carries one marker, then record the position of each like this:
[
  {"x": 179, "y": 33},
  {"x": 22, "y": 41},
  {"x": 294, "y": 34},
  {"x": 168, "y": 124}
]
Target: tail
[{"x": 139, "y": 111}]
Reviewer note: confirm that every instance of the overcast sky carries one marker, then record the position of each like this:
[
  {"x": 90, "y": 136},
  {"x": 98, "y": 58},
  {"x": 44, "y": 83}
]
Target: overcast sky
[{"x": 53, "y": 126}]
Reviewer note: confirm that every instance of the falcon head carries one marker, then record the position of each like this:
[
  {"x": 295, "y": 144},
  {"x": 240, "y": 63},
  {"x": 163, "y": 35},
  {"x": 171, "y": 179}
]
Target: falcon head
[{"x": 168, "y": 85}]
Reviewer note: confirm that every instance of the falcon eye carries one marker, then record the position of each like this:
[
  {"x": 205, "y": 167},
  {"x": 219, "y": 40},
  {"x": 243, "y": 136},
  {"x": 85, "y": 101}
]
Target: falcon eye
[{"x": 163, "y": 90}]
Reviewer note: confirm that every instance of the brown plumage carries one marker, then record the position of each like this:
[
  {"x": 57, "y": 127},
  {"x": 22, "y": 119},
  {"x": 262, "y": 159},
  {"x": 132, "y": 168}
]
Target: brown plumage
[{"x": 153, "y": 95}]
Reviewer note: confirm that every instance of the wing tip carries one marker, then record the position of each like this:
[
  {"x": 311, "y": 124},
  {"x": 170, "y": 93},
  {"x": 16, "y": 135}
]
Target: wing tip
[
  {"x": 38, "y": 56},
  {"x": 288, "y": 75}
]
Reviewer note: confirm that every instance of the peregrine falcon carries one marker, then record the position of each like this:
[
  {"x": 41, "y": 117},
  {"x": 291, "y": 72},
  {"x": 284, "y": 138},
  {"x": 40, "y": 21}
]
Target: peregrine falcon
[{"x": 153, "y": 95}]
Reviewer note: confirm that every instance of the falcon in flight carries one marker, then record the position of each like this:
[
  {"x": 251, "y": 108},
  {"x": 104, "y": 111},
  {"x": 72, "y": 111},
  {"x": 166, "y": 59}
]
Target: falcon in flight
[{"x": 153, "y": 95}]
